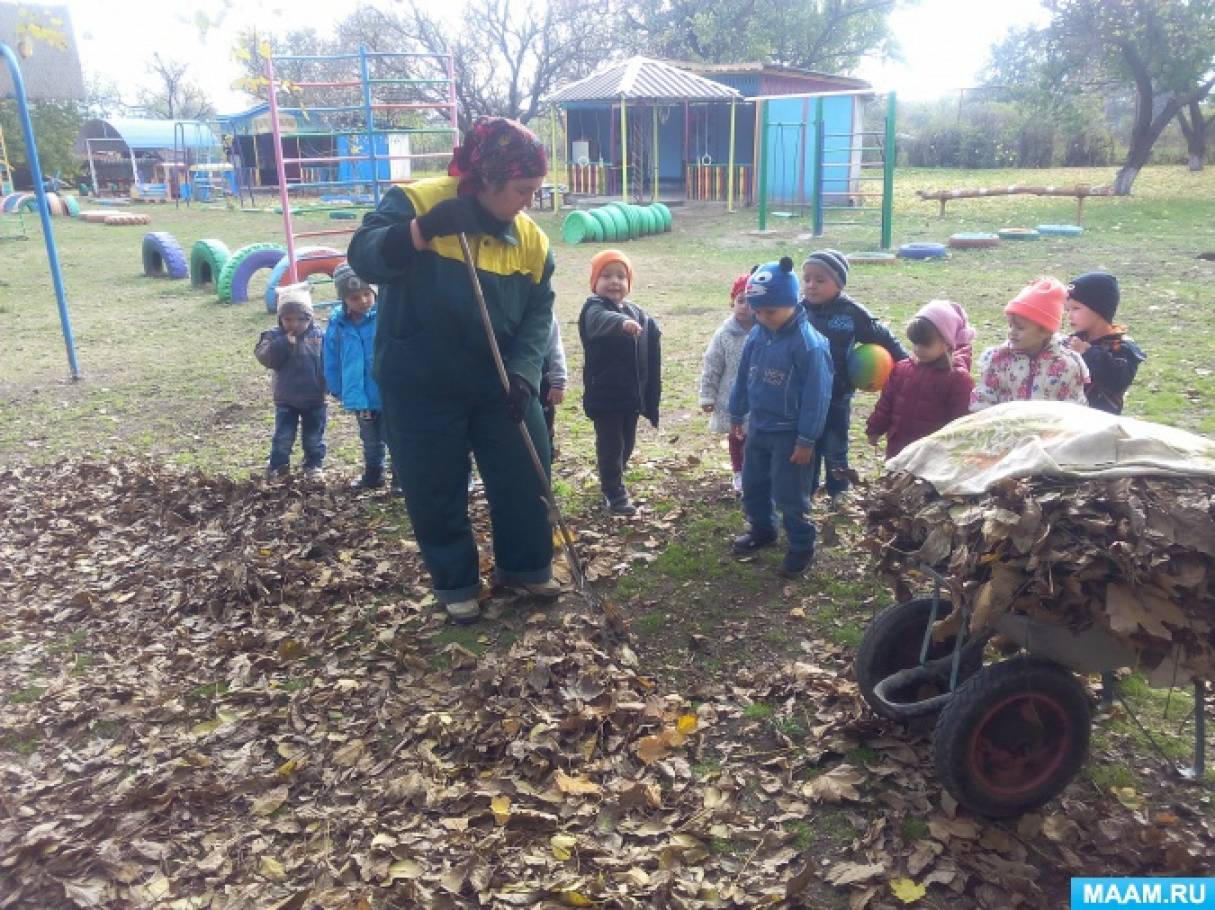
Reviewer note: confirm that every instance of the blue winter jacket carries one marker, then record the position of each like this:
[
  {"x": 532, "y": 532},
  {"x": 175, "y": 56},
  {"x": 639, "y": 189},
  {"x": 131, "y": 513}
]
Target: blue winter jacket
[
  {"x": 349, "y": 349},
  {"x": 784, "y": 380}
]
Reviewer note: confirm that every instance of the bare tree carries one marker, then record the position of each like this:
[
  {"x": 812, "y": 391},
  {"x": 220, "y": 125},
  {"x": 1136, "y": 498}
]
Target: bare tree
[{"x": 175, "y": 97}]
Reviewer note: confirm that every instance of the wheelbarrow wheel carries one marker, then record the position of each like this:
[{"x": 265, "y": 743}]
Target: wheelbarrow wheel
[
  {"x": 892, "y": 643},
  {"x": 1012, "y": 737}
]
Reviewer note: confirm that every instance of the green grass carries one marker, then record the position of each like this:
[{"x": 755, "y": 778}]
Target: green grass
[
  {"x": 758, "y": 710},
  {"x": 26, "y": 696}
]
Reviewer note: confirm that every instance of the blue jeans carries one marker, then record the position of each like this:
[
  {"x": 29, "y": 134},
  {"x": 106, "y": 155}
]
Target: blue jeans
[
  {"x": 831, "y": 449},
  {"x": 311, "y": 422},
  {"x": 769, "y": 479},
  {"x": 374, "y": 439}
]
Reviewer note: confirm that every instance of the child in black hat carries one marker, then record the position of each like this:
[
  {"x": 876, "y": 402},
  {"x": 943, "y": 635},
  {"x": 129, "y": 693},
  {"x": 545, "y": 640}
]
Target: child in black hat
[{"x": 1110, "y": 354}]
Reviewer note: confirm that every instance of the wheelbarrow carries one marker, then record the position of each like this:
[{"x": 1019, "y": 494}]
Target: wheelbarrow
[{"x": 1009, "y": 735}]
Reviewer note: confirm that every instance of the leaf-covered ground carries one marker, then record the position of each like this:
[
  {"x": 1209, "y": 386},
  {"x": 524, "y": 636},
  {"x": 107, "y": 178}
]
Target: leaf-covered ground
[{"x": 218, "y": 693}]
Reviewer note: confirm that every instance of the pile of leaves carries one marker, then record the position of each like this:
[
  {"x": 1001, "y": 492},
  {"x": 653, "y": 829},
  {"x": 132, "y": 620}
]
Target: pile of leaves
[
  {"x": 1132, "y": 555},
  {"x": 224, "y": 694}
]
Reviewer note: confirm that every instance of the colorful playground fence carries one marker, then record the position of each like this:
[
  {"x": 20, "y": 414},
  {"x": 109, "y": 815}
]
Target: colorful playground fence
[{"x": 710, "y": 182}]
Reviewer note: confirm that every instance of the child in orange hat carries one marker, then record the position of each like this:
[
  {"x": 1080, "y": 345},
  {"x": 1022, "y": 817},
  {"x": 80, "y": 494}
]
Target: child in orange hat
[
  {"x": 1035, "y": 363},
  {"x": 621, "y": 372}
]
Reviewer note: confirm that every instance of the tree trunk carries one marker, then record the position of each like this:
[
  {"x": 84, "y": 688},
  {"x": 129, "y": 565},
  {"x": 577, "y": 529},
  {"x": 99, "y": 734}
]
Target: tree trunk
[{"x": 1195, "y": 131}]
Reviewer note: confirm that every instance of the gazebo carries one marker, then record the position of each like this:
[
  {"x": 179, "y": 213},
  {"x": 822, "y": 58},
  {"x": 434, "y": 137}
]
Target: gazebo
[
  {"x": 125, "y": 152},
  {"x": 632, "y": 129}
]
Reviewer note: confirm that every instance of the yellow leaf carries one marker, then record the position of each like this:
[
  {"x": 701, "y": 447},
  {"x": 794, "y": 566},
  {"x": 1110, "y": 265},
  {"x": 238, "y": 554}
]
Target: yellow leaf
[
  {"x": 906, "y": 890},
  {"x": 1128, "y": 797},
  {"x": 563, "y": 845},
  {"x": 271, "y": 868},
  {"x": 404, "y": 868},
  {"x": 577, "y": 785},
  {"x": 263, "y": 49},
  {"x": 500, "y": 806},
  {"x": 287, "y": 768},
  {"x": 687, "y": 724},
  {"x": 576, "y": 899}
]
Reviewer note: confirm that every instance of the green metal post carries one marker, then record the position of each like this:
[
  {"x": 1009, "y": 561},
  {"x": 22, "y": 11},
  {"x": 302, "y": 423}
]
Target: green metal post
[
  {"x": 890, "y": 156},
  {"x": 730, "y": 167},
  {"x": 763, "y": 165},
  {"x": 820, "y": 142},
  {"x": 624, "y": 152}
]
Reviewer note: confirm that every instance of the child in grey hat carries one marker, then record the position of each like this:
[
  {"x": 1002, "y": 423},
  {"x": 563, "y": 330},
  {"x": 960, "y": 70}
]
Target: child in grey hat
[{"x": 293, "y": 351}]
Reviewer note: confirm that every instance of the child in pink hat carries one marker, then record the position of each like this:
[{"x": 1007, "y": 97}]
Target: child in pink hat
[
  {"x": 1035, "y": 363},
  {"x": 932, "y": 386}
]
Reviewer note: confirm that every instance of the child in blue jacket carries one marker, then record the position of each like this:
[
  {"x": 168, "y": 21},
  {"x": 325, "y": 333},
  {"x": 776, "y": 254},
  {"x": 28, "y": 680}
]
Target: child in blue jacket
[
  {"x": 349, "y": 344},
  {"x": 784, "y": 384}
]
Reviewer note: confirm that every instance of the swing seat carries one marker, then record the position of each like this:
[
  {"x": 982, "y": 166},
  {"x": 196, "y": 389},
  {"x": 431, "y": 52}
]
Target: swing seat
[{"x": 783, "y": 214}]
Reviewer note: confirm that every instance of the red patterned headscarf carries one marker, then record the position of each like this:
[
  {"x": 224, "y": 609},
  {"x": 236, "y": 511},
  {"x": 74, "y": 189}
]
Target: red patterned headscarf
[{"x": 497, "y": 149}]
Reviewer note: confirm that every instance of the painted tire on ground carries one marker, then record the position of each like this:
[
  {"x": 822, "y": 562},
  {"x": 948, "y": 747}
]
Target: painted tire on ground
[
  {"x": 1060, "y": 230},
  {"x": 664, "y": 212},
  {"x": 651, "y": 221},
  {"x": 94, "y": 217},
  {"x": 974, "y": 241},
  {"x": 71, "y": 205},
  {"x": 922, "y": 251},
  {"x": 233, "y": 283},
  {"x": 309, "y": 260},
  {"x": 607, "y": 227},
  {"x": 126, "y": 218},
  {"x": 10, "y": 202},
  {"x": 163, "y": 256},
  {"x": 577, "y": 227},
  {"x": 872, "y": 258},
  {"x": 628, "y": 215},
  {"x": 618, "y": 219},
  {"x": 1018, "y": 234},
  {"x": 207, "y": 258},
  {"x": 343, "y": 216},
  {"x": 53, "y": 202}
]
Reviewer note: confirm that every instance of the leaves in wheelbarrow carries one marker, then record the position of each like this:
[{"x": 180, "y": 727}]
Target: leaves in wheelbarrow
[{"x": 1133, "y": 555}]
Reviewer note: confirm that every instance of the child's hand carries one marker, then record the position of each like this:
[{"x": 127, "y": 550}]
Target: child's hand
[
  {"x": 739, "y": 432},
  {"x": 802, "y": 454},
  {"x": 291, "y": 339},
  {"x": 1079, "y": 345},
  {"x": 631, "y": 327},
  {"x": 707, "y": 408},
  {"x": 556, "y": 396}
]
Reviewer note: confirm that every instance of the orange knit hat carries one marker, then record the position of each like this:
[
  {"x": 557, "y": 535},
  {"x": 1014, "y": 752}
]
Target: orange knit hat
[
  {"x": 1040, "y": 302},
  {"x": 603, "y": 258}
]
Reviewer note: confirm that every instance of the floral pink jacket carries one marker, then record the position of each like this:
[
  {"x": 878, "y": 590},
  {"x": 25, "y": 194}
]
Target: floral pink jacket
[{"x": 1053, "y": 374}]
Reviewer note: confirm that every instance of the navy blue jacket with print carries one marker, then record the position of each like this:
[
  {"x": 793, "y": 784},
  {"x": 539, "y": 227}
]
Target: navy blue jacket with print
[
  {"x": 784, "y": 380},
  {"x": 1112, "y": 361},
  {"x": 844, "y": 323},
  {"x": 299, "y": 381}
]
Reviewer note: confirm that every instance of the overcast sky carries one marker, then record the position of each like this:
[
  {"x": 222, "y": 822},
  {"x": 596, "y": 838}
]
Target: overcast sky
[{"x": 944, "y": 42}]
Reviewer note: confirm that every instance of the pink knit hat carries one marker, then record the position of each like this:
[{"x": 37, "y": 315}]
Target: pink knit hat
[
  {"x": 949, "y": 319},
  {"x": 1041, "y": 302}
]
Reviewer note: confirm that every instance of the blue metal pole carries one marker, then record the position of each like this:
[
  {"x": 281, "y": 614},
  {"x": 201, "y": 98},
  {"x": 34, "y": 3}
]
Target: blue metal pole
[
  {"x": 44, "y": 211},
  {"x": 366, "y": 77}
]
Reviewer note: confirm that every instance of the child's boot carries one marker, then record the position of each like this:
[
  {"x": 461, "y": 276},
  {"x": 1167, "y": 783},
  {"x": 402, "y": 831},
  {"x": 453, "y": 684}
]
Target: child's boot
[
  {"x": 795, "y": 563},
  {"x": 754, "y": 539},
  {"x": 372, "y": 479},
  {"x": 620, "y": 504}
]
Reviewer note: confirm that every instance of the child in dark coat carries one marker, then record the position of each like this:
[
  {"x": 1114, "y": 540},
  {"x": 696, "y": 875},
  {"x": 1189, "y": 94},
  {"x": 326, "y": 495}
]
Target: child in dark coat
[
  {"x": 931, "y": 387},
  {"x": 293, "y": 351},
  {"x": 784, "y": 386},
  {"x": 1110, "y": 354},
  {"x": 622, "y": 371},
  {"x": 844, "y": 323}
]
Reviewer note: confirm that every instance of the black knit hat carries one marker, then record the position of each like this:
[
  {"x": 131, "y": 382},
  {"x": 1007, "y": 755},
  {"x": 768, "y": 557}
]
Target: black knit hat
[
  {"x": 833, "y": 261},
  {"x": 348, "y": 282},
  {"x": 1098, "y": 291}
]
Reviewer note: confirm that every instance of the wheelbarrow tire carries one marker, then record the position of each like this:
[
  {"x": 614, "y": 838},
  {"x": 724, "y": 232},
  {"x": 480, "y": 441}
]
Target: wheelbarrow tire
[
  {"x": 892, "y": 642},
  {"x": 1012, "y": 737}
]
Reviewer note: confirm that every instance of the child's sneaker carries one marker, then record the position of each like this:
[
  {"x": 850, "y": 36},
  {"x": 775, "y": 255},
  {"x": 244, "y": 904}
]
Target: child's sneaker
[
  {"x": 794, "y": 564},
  {"x": 314, "y": 474},
  {"x": 463, "y": 611},
  {"x": 543, "y": 590},
  {"x": 371, "y": 480},
  {"x": 277, "y": 473},
  {"x": 736, "y": 483},
  {"x": 753, "y": 540}
]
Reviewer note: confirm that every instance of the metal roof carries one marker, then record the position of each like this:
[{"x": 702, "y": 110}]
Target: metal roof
[
  {"x": 643, "y": 79},
  {"x": 771, "y": 69},
  {"x": 147, "y": 134}
]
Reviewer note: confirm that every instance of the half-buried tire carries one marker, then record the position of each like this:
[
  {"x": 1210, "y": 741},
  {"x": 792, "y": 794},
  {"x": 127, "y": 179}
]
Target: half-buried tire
[
  {"x": 207, "y": 258},
  {"x": 163, "y": 256},
  {"x": 233, "y": 283}
]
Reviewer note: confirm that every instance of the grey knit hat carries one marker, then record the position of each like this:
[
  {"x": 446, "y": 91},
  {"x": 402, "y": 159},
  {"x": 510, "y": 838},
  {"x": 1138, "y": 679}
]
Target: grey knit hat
[
  {"x": 348, "y": 282},
  {"x": 833, "y": 261}
]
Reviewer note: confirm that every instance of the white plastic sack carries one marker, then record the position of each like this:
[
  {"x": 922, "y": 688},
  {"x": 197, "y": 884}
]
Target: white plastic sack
[{"x": 1049, "y": 438}]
